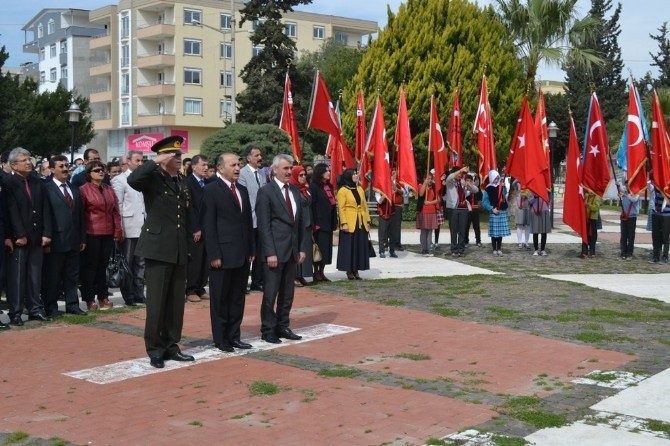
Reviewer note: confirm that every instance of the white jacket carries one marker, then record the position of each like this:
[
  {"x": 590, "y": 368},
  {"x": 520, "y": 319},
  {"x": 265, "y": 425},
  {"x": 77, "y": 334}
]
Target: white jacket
[{"x": 131, "y": 205}]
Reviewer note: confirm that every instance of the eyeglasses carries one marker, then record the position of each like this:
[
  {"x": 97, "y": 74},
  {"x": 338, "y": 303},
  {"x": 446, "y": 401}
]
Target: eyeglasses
[
  {"x": 302, "y": 175},
  {"x": 98, "y": 170}
]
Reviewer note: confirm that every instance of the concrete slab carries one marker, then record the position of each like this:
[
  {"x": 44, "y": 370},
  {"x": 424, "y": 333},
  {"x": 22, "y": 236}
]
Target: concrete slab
[
  {"x": 652, "y": 286},
  {"x": 646, "y": 400},
  {"x": 589, "y": 435}
]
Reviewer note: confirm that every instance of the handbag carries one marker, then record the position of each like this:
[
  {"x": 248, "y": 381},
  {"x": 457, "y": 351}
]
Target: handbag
[
  {"x": 316, "y": 252},
  {"x": 118, "y": 271},
  {"x": 371, "y": 248}
]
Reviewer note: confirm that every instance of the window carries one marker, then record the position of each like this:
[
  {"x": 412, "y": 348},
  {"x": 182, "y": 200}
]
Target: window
[
  {"x": 63, "y": 46},
  {"x": 255, "y": 24},
  {"x": 51, "y": 26},
  {"x": 125, "y": 55},
  {"x": 40, "y": 31},
  {"x": 226, "y": 79},
  {"x": 256, "y": 51},
  {"x": 52, "y": 50},
  {"x": 42, "y": 53},
  {"x": 192, "y": 47},
  {"x": 192, "y": 76},
  {"x": 63, "y": 72},
  {"x": 192, "y": 106},
  {"x": 226, "y": 21},
  {"x": 226, "y": 50},
  {"x": 319, "y": 32},
  {"x": 226, "y": 108},
  {"x": 125, "y": 113},
  {"x": 125, "y": 84},
  {"x": 52, "y": 75},
  {"x": 291, "y": 29},
  {"x": 43, "y": 77},
  {"x": 342, "y": 39},
  {"x": 192, "y": 17},
  {"x": 125, "y": 26}
]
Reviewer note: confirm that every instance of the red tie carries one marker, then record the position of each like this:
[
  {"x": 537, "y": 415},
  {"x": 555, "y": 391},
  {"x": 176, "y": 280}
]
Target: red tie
[
  {"x": 288, "y": 203},
  {"x": 66, "y": 194},
  {"x": 237, "y": 199},
  {"x": 30, "y": 195}
]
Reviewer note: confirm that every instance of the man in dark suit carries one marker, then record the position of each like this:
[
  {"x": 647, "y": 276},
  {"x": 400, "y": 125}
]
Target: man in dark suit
[
  {"x": 163, "y": 244},
  {"x": 196, "y": 271},
  {"x": 283, "y": 244},
  {"x": 69, "y": 233},
  {"x": 228, "y": 230},
  {"x": 28, "y": 229}
]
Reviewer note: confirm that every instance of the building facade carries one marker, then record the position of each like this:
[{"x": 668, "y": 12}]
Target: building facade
[{"x": 168, "y": 67}]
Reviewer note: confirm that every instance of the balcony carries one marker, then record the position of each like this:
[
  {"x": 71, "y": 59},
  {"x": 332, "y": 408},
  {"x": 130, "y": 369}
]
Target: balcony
[
  {"x": 156, "y": 90},
  {"x": 62, "y": 58},
  {"x": 155, "y": 60},
  {"x": 104, "y": 41},
  {"x": 103, "y": 124},
  {"x": 146, "y": 120},
  {"x": 156, "y": 31},
  {"x": 103, "y": 69},
  {"x": 31, "y": 47},
  {"x": 101, "y": 96}
]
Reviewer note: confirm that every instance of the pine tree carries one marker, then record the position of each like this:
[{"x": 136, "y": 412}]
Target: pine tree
[
  {"x": 436, "y": 47},
  {"x": 606, "y": 79},
  {"x": 661, "y": 60},
  {"x": 261, "y": 101}
]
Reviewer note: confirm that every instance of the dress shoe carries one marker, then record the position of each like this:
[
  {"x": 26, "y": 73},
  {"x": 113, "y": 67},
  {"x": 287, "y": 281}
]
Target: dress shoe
[
  {"x": 140, "y": 300},
  {"x": 105, "y": 304},
  {"x": 193, "y": 298},
  {"x": 4, "y": 326},
  {"x": 92, "y": 306},
  {"x": 157, "y": 362},
  {"x": 16, "y": 320},
  {"x": 39, "y": 317},
  {"x": 204, "y": 296},
  {"x": 393, "y": 254},
  {"x": 356, "y": 276},
  {"x": 286, "y": 333},
  {"x": 272, "y": 339},
  {"x": 76, "y": 310},
  {"x": 240, "y": 344},
  {"x": 256, "y": 287},
  {"x": 53, "y": 314},
  {"x": 225, "y": 348},
  {"x": 350, "y": 276},
  {"x": 297, "y": 283},
  {"x": 179, "y": 356},
  {"x": 302, "y": 281},
  {"x": 130, "y": 303}
]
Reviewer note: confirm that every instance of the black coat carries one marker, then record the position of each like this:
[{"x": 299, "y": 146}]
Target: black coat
[
  {"x": 68, "y": 229},
  {"x": 26, "y": 216}
]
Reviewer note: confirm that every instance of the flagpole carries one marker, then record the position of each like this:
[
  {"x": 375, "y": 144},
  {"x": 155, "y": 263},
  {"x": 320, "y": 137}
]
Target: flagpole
[{"x": 311, "y": 110}]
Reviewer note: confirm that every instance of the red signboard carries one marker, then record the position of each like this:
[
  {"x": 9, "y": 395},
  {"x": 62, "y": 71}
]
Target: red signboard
[{"x": 143, "y": 141}]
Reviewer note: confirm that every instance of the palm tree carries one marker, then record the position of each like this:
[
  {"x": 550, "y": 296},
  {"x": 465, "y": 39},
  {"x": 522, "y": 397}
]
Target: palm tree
[{"x": 548, "y": 31}]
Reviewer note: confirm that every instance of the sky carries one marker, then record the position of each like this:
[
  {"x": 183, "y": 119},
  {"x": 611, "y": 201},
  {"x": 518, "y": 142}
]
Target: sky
[{"x": 638, "y": 20}]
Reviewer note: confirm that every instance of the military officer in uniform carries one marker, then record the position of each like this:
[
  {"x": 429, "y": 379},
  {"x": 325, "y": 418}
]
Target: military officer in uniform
[{"x": 163, "y": 243}]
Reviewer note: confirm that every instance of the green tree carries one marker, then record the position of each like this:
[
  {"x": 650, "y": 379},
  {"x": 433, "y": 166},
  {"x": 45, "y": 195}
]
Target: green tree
[
  {"x": 661, "y": 59},
  {"x": 606, "y": 78},
  {"x": 261, "y": 101},
  {"x": 438, "y": 46},
  {"x": 548, "y": 31},
  {"x": 236, "y": 137}
]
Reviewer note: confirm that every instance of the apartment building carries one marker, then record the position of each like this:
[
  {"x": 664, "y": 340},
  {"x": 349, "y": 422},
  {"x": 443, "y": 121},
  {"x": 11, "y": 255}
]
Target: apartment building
[
  {"x": 168, "y": 67},
  {"x": 60, "y": 39}
]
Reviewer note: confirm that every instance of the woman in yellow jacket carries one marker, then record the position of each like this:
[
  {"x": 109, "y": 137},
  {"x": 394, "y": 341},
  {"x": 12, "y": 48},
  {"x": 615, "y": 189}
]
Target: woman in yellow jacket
[{"x": 353, "y": 254}]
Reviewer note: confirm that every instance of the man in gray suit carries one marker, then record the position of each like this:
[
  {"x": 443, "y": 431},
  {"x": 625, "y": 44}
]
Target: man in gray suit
[
  {"x": 283, "y": 245},
  {"x": 253, "y": 179}
]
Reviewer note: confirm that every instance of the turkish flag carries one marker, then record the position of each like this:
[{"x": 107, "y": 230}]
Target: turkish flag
[
  {"x": 636, "y": 176},
  {"x": 288, "y": 123},
  {"x": 339, "y": 152},
  {"x": 377, "y": 147},
  {"x": 543, "y": 133},
  {"x": 660, "y": 149},
  {"x": 360, "y": 127},
  {"x": 595, "y": 170},
  {"x": 574, "y": 213},
  {"x": 436, "y": 146},
  {"x": 454, "y": 137},
  {"x": 404, "y": 148},
  {"x": 322, "y": 114},
  {"x": 484, "y": 130}
]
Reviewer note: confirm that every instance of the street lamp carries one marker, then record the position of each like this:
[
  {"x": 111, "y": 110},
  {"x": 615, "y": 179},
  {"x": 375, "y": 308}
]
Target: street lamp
[
  {"x": 553, "y": 132},
  {"x": 73, "y": 114}
]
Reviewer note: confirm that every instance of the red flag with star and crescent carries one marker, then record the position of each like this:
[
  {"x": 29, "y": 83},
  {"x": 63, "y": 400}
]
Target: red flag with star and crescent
[
  {"x": 484, "y": 130},
  {"x": 574, "y": 213},
  {"x": 360, "y": 127},
  {"x": 595, "y": 168},
  {"x": 288, "y": 123},
  {"x": 322, "y": 114},
  {"x": 454, "y": 138},
  {"x": 377, "y": 147},
  {"x": 436, "y": 146},
  {"x": 338, "y": 151},
  {"x": 542, "y": 132},
  {"x": 636, "y": 174},
  {"x": 660, "y": 149},
  {"x": 404, "y": 147}
]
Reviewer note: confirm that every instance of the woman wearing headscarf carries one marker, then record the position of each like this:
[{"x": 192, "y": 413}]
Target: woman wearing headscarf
[
  {"x": 495, "y": 203},
  {"x": 299, "y": 180},
  {"x": 324, "y": 218},
  {"x": 426, "y": 214},
  {"x": 540, "y": 222},
  {"x": 353, "y": 254}
]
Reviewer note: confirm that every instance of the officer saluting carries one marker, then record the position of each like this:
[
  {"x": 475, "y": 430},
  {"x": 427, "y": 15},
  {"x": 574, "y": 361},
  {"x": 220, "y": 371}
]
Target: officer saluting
[{"x": 163, "y": 243}]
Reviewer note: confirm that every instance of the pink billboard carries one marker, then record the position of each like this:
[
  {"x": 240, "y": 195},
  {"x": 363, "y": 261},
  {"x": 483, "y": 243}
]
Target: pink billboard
[
  {"x": 183, "y": 134},
  {"x": 143, "y": 141}
]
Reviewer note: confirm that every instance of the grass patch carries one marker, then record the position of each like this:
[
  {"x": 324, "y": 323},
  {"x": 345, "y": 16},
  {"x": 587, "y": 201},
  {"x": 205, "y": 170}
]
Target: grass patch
[
  {"x": 443, "y": 311},
  {"x": 595, "y": 338},
  {"x": 604, "y": 377},
  {"x": 503, "y": 313},
  {"x": 15, "y": 437},
  {"x": 413, "y": 356},
  {"x": 339, "y": 372},
  {"x": 239, "y": 417},
  {"x": 57, "y": 441},
  {"x": 501, "y": 440},
  {"x": 658, "y": 426},
  {"x": 664, "y": 341},
  {"x": 258, "y": 388},
  {"x": 309, "y": 395},
  {"x": 195, "y": 423},
  {"x": 393, "y": 302},
  {"x": 76, "y": 319},
  {"x": 436, "y": 442},
  {"x": 526, "y": 409}
]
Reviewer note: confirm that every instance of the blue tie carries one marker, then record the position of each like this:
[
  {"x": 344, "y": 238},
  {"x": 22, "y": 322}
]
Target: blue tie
[{"x": 201, "y": 183}]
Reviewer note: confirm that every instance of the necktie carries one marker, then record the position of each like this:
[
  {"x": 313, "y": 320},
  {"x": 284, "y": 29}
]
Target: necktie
[
  {"x": 66, "y": 194},
  {"x": 237, "y": 199},
  {"x": 201, "y": 183},
  {"x": 288, "y": 203},
  {"x": 258, "y": 180},
  {"x": 30, "y": 194}
]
